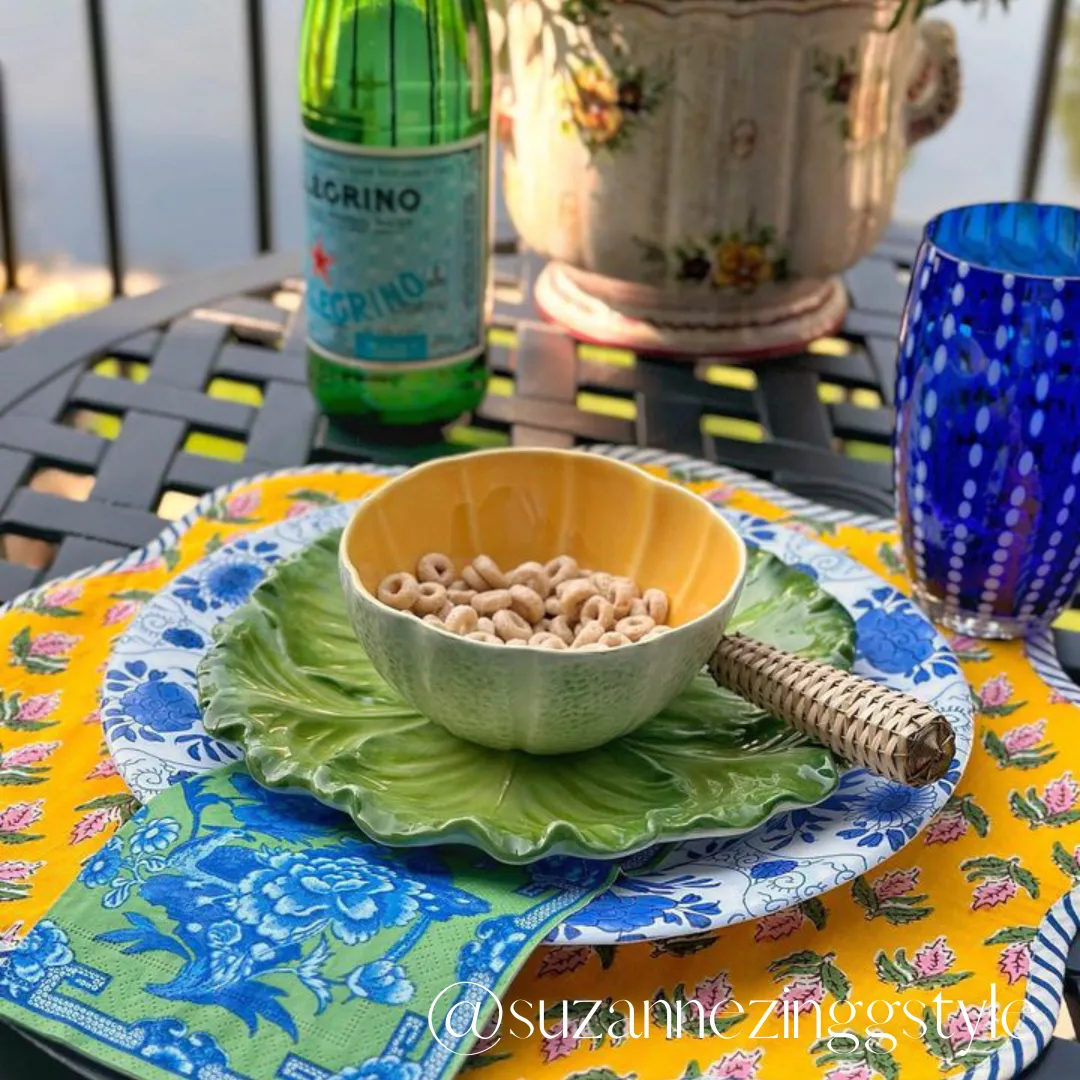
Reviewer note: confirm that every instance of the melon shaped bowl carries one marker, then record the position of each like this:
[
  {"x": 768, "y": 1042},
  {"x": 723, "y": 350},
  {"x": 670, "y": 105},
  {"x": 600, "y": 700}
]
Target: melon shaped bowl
[{"x": 533, "y": 505}]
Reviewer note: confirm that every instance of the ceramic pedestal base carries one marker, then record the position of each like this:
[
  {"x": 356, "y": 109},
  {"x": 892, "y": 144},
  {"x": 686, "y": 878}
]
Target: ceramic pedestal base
[{"x": 610, "y": 312}]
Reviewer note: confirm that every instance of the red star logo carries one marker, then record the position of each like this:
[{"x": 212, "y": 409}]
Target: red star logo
[{"x": 321, "y": 261}]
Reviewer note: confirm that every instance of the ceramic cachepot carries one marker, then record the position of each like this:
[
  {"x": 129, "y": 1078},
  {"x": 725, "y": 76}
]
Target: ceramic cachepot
[{"x": 700, "y": 171}]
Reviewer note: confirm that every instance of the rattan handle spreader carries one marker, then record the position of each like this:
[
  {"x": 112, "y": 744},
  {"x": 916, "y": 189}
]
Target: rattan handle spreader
[{"x": 890, "y": 733}]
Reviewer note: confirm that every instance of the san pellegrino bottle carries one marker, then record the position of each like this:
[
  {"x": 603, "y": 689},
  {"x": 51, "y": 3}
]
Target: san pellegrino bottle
[{"x": 396, "y": 99}]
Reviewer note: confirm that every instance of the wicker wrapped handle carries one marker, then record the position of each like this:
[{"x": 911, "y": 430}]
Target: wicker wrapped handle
[{"x": 893, "y": 735}]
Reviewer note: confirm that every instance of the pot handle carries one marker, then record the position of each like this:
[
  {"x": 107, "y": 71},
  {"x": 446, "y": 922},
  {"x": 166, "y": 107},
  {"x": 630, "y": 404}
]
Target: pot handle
[{"x": 933, "y": 93}]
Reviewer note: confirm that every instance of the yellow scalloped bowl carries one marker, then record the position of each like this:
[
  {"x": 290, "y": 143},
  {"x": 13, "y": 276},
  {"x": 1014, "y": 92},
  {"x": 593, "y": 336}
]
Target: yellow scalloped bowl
[{"x": 517, "y": 505}]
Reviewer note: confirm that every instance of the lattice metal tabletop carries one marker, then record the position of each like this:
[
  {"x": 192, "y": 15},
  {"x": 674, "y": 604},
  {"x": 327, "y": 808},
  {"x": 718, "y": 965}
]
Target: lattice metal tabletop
[
  {"x": 107, "y": 422},
  {"x": 111, "y": 422},
  {"x": 116, "y": 422}
]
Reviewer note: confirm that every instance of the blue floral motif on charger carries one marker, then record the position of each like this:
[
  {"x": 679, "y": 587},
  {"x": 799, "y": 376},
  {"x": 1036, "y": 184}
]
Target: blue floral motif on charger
[
  {"x": 699, "y": 884},
  {"x": 988, "y": 416},
  {"x": 230, "y": 581}
]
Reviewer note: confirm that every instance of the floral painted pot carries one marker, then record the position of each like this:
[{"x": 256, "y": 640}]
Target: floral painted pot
[{"x": 700, "y": 171}]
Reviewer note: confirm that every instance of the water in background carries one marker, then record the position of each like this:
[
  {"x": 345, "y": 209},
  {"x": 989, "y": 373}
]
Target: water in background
[{"x": 179, "y": 76}]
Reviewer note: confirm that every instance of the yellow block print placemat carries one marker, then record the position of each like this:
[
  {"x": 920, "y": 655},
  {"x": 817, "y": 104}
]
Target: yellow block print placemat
[{"x": 956, "y": 916}]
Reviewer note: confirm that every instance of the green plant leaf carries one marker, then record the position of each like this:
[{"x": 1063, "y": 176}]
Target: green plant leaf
[
  {"x": 140, "y": 595},
  {"x": 996, "y": 748},
  {"x": 888, "y": 972},
  {"x": 935, "y": 1043},
  {"x": 1012, "y": 935},
  {"x": 816, "y": 912},
  {"x": 17, "y": 777},
  {"x": 104, "y": 801},
  {"x": 17, "y": 838},
  {"x": 482, "y": 1061},
  {"x": 606, "y": 953},
  {"x": 1064, "y": 861},
  {"x": 835, "y": 981},
  {"x": 985, "y": 866},
  {"x": 881, "y": 1061},
  {"x": 312, "y": 495},
  {"x": 1026, "y": 880},
  {"x": 864, "y": 895},
  {"x": 20, "y": 645},
  {"x": 975, "y": 816},
  {"x": 1021, "y": 809},
  {"x": 898, "y": 916},
  {"x": 288, "y": 680}
]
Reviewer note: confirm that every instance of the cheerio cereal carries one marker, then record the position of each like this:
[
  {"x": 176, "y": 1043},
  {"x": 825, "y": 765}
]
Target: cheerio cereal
[{"x": 552, "y": 605}]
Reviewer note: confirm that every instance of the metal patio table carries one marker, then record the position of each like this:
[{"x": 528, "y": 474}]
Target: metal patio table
[{"x": 816, "y": 423}]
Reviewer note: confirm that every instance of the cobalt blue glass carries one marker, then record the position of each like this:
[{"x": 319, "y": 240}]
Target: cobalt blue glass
[{"x": 987, "y": 447}]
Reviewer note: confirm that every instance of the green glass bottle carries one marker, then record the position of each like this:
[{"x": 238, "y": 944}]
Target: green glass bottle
[{"x": 396, "y": 98}]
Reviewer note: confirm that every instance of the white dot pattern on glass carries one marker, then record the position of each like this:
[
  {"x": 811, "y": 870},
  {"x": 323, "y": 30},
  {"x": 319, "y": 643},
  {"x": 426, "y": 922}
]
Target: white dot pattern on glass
[
  {"x": 916, "y": 311},
  {"x": 982, "y": 341}
]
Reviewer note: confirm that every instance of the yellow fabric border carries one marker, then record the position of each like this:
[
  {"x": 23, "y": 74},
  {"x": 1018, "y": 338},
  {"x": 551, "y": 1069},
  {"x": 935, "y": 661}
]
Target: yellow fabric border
[{"x": 958, "y": 906}]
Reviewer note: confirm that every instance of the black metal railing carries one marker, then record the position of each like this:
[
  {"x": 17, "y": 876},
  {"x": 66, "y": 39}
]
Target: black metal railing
[{"x": 97, "y": 43}]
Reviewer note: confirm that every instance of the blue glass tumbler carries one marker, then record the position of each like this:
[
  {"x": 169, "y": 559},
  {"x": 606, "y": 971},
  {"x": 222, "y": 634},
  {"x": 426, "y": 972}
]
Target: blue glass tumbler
[{"x": 987, "y": 450}]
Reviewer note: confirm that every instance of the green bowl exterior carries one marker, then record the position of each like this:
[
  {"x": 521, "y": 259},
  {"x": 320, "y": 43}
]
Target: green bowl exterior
[{"x": 539, "y": 700}]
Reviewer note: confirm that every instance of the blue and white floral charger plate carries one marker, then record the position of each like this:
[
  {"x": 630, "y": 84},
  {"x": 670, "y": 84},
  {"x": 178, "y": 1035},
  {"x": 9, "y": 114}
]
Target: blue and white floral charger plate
[{"x": 154, "y": 730}]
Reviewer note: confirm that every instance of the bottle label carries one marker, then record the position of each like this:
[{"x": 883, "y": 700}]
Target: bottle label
[{"x": 396, "y": 249}]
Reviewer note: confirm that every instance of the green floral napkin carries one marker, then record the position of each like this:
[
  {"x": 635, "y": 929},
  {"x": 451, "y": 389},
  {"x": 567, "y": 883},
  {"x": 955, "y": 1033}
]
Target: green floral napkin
[{"x": 229, "y": 932}]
